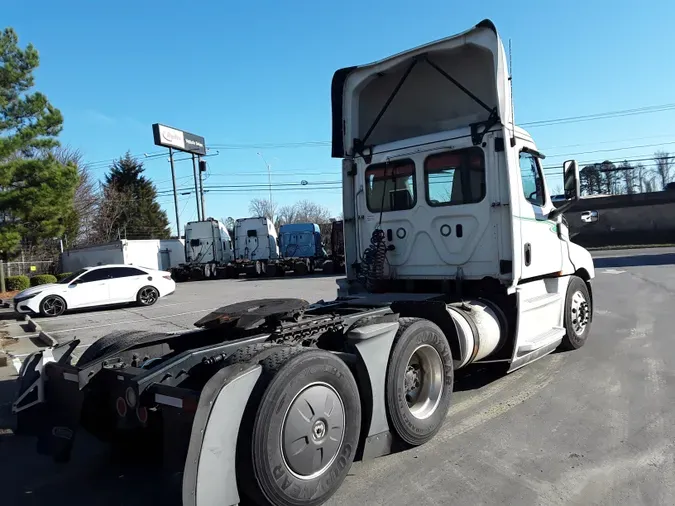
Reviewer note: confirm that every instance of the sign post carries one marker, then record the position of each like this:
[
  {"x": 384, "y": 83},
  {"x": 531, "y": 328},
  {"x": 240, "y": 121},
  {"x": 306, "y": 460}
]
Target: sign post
[{"x": 186, "y": 142}]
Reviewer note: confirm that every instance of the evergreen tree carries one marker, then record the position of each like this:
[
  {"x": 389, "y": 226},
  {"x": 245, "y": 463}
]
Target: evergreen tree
[
  {"x": 134, "y": 197},
  {"x": 36, "y": 190}
]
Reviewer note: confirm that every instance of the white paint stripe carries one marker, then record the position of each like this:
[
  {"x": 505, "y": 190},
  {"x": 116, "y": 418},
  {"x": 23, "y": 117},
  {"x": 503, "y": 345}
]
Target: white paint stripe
[
  {"x": 169, "y": 401},
  {"x": 128, "y": 322},
  {"x": 93, "y": 313}
]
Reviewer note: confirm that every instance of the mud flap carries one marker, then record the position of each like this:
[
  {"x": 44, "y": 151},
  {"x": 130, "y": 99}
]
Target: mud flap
[{"x": 210, "y": 477}]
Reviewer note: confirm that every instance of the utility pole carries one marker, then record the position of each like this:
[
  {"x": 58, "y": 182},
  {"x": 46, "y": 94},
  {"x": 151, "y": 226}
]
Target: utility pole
[
  {"x": 202, "y": 169},
  {"x": 200, "y": 212},
  {"x": 175, "y": 195}
]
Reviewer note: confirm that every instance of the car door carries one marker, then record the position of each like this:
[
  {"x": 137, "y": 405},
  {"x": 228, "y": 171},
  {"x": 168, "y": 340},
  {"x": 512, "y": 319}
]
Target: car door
[
  {"x": 542, "y": 248},
  {"x": 90, "y": 289},
  {"x": 125, "y": 283}
]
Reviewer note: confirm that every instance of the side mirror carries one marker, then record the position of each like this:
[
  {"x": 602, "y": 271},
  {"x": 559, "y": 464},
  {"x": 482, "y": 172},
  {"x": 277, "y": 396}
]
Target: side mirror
[
  {"x": 571, "y": 177},
  {"x": 572, "y": 188}
]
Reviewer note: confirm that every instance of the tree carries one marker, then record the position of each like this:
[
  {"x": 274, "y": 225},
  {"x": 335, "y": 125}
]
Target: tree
[
  {"x": 141, "y": 217},
  {"x": 109, "y": 214},
  {"x": 590, "y": 180},
  {"x": 628, "y": 173},
  {"x": 262, "y": 208},
  {"x": 80, "y": 225},
  {"x": 664, "y": 165},
  {"x": 36, "y": 189}
]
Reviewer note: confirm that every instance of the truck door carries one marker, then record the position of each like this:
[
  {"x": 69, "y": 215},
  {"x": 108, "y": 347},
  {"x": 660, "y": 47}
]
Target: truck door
[{"x": 541, "y": 246}]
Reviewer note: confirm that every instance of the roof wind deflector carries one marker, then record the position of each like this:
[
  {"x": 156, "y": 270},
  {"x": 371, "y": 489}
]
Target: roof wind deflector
[{"x": 476, "y": 135}]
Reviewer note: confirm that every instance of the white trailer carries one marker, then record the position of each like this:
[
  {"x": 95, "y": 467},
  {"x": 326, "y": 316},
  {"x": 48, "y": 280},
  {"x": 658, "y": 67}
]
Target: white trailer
[
  {"x": 455, "y": 255},
  {"x": 160, "y": 254}
]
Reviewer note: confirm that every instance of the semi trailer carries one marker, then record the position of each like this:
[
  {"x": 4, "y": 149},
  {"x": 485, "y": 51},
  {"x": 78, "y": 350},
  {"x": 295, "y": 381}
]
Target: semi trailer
[{"x": 455, "y": 255}]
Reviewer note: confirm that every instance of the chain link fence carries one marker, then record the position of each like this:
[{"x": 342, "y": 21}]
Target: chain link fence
[{"x": 29, "y": 268}]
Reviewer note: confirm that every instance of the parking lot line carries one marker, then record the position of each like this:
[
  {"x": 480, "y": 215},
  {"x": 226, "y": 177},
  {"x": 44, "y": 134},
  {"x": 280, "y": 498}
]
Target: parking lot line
[{"x": 128, "y": 322}]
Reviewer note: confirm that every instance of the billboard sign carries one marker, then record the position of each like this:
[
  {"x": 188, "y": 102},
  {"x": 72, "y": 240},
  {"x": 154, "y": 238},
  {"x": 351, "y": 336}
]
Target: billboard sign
[{"x": 178, "y": 139}]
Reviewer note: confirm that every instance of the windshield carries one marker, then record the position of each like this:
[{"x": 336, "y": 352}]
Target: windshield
[{"x": 68, "y": 279}]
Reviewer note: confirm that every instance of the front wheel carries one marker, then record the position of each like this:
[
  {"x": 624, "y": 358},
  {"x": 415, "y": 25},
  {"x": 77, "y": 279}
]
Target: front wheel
[
  {"x": 52, "y": 305},
  {"x": 577, "y": 318},
  {"x": 147, "y": 296}
]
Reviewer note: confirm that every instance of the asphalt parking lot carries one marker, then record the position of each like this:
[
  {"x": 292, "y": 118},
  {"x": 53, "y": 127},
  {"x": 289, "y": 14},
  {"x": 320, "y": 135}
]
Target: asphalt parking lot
[{"x": 590, "y": 427}]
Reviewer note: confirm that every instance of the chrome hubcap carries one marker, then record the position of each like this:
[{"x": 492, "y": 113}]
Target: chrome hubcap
[
  {"x": 53, "y": 307},
  {"x": 580, "y": 313},
  {"x": 313, "y": 431},
  {"x": 423, "y": 381}
]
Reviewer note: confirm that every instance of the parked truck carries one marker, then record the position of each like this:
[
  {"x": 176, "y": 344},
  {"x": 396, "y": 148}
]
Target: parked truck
[
  {"x": 208, "y": 251},
  {"x": 301, "y": 248},
  {"x": 256, "y": 248},
  {"x": 336, "y": 262},
  {"x": 455, "y": 255}
]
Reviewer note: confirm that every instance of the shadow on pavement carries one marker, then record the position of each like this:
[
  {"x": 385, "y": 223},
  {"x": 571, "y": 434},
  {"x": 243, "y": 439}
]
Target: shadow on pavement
[
  {"x": 91, "y": 477},
  {"x": 635, "y": 260},
  {"x": 290, "y": 275}
]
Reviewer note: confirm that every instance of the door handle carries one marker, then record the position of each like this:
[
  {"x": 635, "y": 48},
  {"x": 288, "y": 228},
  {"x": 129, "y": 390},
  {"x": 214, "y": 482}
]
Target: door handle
[{"x": 528, "y": 254}]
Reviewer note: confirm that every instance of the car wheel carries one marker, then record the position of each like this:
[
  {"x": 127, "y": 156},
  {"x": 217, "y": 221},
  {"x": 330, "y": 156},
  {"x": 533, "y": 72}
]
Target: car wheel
[
  {"x": 147, "y": 296},
  {"x": 52, "y": 305}
]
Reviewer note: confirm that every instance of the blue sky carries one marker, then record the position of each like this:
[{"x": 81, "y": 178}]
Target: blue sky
[{"x": 251, "y": 77}]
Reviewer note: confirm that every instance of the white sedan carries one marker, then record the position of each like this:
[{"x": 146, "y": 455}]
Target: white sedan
[{"x": 96, "y": 286}]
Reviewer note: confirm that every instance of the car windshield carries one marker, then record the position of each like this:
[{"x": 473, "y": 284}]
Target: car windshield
[{"x": 68, "y": 279}]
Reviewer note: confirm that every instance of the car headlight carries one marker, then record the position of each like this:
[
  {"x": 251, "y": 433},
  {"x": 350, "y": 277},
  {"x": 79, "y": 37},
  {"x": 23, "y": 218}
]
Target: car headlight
[{"x": 19, "y": 298}]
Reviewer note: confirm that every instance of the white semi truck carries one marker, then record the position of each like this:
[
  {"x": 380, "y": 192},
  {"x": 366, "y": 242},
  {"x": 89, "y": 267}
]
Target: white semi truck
[
  {"x": 208, "y": 251},
  {"x": 455, "y": 255}
]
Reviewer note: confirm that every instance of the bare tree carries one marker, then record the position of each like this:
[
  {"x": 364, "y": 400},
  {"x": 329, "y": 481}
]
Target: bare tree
[
  {"x": 307, "y": 211},
  {"x": 85, "y": 200},
  {"x": 628, "y": 173},
  {"x": 286, "y": 214},
  {"x": 262, "y": 207},
  {"x": 114, "y": 202},
  {"x": 664, "y": 165}
]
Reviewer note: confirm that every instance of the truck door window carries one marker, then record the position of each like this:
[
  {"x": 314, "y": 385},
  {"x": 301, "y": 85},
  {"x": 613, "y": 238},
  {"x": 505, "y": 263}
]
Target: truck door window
[
  {"x": 455, "y": 177},
  {"x": 533, "y": 184},
  {"x": 391, "y": 186}
]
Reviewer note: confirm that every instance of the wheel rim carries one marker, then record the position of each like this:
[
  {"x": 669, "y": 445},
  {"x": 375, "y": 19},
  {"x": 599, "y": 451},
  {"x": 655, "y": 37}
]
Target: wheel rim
[
  {"x": 53, "y": 306},
  {"x": 580, "y": 313},
  {"x": 313, "y": 431},
  {"x": 148, "y": 295},
  {"x": 423, "y": 381}
]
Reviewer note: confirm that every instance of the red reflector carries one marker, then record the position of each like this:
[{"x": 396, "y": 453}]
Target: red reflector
[
  {"x": 121, "y": 406},
  {"x": 142, "y": 414},
  {"x": 190, "y": 404}
]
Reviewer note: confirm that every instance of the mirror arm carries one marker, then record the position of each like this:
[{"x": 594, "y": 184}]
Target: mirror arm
[{"x": 560, "y": 209}]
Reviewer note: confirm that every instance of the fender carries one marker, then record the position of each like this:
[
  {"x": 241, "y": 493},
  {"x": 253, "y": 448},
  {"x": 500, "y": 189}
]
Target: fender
[{"x": 210, "y": 476}]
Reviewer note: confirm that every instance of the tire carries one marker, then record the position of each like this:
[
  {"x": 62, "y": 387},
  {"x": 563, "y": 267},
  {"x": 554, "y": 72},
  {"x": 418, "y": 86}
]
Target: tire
[
  {"x": 577, "y": 316},
  {"x": 147, "y": 296},
  {"x": 113, "y": 342},
  {"x": 272, "y": 271},
  {"x": 52, "y": 306},
  {"x": 417, "y": 404},
  {"x": 300, "y": 268},
  {"x": 327, "y": 267},
  {"x": 294, "y": 378}
]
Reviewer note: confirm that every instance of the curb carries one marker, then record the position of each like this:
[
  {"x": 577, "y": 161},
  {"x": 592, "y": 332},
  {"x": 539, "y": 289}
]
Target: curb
[
  {"x": 47, "y": 339},
  {"x": 32, "y": 324}
]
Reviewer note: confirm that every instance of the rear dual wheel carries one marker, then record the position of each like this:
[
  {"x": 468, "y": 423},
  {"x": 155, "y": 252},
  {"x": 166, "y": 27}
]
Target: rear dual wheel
[
  {"x": 301, "y": 428},
  {"x": 419, "y": 381}
]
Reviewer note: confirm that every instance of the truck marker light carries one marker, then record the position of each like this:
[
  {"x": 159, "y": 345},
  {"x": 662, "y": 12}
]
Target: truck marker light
[
  {"x": 142, "y": 414},
  {"x": 121, "y": 406}
]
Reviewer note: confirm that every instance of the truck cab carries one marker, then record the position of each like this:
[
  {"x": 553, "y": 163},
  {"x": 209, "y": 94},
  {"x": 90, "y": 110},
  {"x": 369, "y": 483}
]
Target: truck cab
[
  {"x": 255, "y": 240},
  {"x": 444, "y": 194},
  {"x": 300, "y": 240}
]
